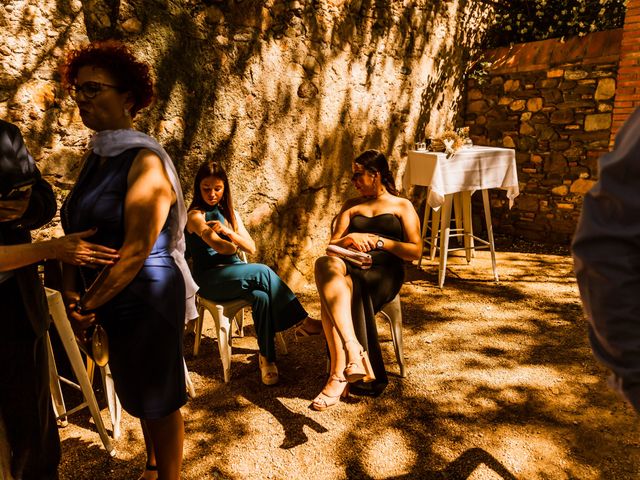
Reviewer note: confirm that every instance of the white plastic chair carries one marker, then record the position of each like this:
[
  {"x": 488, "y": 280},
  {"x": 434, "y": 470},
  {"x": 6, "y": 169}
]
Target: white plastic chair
[
  {"x": 392, "y": 313},
  {"x": 222, "y": 314}
]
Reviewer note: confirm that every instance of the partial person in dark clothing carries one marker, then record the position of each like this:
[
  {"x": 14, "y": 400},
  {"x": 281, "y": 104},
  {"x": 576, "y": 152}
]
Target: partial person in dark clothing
[
  {"x": 26, "y": 203},
  {"x": 606, "y": 252}
]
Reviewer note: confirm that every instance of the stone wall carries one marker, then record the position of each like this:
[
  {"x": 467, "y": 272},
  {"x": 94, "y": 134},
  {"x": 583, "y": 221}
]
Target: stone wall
[
  {"x": 285, "y": 93},
  {"x": 552, "y": 102}
]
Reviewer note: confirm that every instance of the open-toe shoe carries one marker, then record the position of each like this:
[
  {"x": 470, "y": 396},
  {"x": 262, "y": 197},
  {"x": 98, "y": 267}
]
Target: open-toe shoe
[
  {"x": 268, "y": 371},
  {"x": 359, "y": 368},
  {"x": 324, "y": 401},
  {"x": 301, "y": 333}
]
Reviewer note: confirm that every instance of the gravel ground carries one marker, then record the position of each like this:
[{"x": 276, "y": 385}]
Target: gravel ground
[{"x": 501, "y": 384}]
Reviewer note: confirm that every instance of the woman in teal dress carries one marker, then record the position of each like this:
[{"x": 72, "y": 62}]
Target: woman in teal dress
[{"x": 215, "y": 234}]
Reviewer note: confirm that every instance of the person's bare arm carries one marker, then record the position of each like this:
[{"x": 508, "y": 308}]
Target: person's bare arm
[
  {"x": 71, "y": 249},
  {"x": 147, "y": 203},
  {"x": 197, "y": 224}
]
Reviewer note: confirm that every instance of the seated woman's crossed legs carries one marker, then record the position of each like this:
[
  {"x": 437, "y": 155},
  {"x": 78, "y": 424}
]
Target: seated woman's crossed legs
[{"x": 349, "y": 362}]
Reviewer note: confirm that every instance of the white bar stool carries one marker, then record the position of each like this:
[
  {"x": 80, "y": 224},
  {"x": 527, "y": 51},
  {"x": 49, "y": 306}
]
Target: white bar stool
[
  {"x": 61, "y": 322},
  {"x": 461, "y": 202}
]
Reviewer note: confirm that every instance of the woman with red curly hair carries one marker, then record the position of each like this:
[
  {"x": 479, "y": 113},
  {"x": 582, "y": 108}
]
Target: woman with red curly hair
[{"x": 128, "y": 188}]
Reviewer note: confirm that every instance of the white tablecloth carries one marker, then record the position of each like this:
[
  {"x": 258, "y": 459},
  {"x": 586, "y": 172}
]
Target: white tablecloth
[{"x": 475, "y": 168}]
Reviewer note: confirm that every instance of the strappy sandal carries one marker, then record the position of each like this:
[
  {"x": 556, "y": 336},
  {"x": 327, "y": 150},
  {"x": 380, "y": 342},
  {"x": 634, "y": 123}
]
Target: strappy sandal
[
  {"x": 149, "y": 468},
  {"x": 361, "y": 369},
  {"x": 324, "y": 401},
  {"x": 301, "y": 334},
  {"x": 268, "y": 371}
]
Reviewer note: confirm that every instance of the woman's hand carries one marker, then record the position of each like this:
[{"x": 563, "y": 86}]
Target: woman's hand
[
  {"x": 219, "y": 227},
  {"x": 79, "y": 321},
  {"x": 72, "y": 249},
  {"x": 363, "y": 242}
]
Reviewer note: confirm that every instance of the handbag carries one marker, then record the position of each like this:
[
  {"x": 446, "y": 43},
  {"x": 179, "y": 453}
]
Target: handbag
[
  {"x": 96, "y": 345},
  {"x": 359, "y": 259}
]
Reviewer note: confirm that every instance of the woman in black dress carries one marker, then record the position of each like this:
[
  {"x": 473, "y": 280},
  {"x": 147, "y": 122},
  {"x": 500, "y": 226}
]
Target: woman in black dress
[{"x": 387, "y": 227}]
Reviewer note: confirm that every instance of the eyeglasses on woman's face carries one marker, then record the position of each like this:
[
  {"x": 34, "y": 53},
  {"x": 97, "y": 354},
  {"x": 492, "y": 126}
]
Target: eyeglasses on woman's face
[{"x": 91, "y": 89}]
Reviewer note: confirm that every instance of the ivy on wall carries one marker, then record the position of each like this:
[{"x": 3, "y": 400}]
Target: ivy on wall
[{"x": 518, "y": 21}]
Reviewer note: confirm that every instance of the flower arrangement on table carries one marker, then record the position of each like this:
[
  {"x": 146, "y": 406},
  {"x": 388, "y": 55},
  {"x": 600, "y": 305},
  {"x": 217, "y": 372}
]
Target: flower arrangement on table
[{"x": 450, "y": 140}]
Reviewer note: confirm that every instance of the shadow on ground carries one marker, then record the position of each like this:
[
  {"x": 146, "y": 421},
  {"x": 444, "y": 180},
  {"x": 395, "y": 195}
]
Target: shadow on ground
[{"x": 501, "y": 385}]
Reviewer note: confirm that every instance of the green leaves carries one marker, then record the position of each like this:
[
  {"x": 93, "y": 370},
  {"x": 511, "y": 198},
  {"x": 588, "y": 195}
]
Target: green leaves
[{"x": 530, "y": 20}]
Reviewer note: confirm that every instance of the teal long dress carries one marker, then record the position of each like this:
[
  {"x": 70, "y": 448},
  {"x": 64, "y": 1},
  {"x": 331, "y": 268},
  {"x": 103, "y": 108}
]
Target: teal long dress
[{"x": 225, "y": 277}]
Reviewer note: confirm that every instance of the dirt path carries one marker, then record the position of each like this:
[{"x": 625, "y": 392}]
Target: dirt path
[{"x": 501, "y": 384}]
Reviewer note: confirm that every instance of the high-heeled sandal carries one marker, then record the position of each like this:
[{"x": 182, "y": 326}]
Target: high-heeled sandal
[
  {"x": 360, "y": 370},
  {"x": 149, "y": 468},
  {"x": 301, "y": 334},
  {"x": 268, "y": 371},
  {"x": 324, "y": 401}
]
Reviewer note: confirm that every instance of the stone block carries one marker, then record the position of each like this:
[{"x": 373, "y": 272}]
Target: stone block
[
  {"x": 575, "y": 74},
  {"x": 527, "y": 203},
  {"x": 527, "y": 129},
  {"x": 534, "y": 104},
  {"x": 562, "y": 116},
  {"x": 555, "y": 73},
  {"x": 526, "y": 143},
  {"x": 511, "y": 85},
  {"x": 478, "y": 106},
  {"x": 508, "y": 142},
  {"x": 556, "y": 163},
  {"x": 539, "y": 118},
  {"x": 605, "y": 107},
  {"x": 560, "y": 190},
  {"x": 474, "y": 94},
  {"x": 606, "y": 89},
  {"x": 565, "y": 206},
  {"x": 552, "y": 96},
  {"x": 517, "y": 105},
  {"x": 548, "y": 83},
  {"x": 559, "y": 145},
  {"x": 582, "y": 186},
  {"x": 597, "y": 121},
  {"x": 505, "y": 100},
  {"x": 525, "y": 117}
]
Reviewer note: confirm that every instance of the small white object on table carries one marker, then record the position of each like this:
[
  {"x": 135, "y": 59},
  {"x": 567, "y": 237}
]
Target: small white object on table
[{"x": 469, "y": 169}]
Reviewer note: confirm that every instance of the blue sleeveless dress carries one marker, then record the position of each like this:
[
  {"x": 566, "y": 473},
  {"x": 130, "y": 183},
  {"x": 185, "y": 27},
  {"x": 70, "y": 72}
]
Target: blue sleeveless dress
[
  {"x": 226, "y": 277},
  {"x": 145, "y": 321}
]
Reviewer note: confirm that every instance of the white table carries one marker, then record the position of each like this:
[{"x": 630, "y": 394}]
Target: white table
[{"x": 453, "y": 180}]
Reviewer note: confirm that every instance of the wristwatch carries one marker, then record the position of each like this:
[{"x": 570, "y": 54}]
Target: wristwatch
[{"x": 380, "y": 243}]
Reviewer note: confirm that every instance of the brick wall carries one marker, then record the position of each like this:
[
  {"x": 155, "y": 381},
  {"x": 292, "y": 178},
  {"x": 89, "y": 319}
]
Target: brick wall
[
  {"x": 628, "y": 88},
  {"x": 552, "y": 101}
]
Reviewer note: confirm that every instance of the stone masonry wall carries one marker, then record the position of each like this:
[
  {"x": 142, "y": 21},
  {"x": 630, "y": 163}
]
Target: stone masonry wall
[
  {"x": 284, "y": 93},
  {"x": 552, "y": 102}
]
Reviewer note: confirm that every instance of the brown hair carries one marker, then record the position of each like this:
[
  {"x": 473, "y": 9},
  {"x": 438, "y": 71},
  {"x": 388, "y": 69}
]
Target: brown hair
[
  {"x": 130, "y": 74},
  {"x": 374, "y": 162},
  {"x": 213, "y": 169}
]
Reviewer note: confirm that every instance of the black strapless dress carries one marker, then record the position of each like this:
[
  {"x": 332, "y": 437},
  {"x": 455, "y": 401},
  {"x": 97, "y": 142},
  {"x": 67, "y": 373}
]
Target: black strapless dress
[{"x": 373, "y": 288}]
